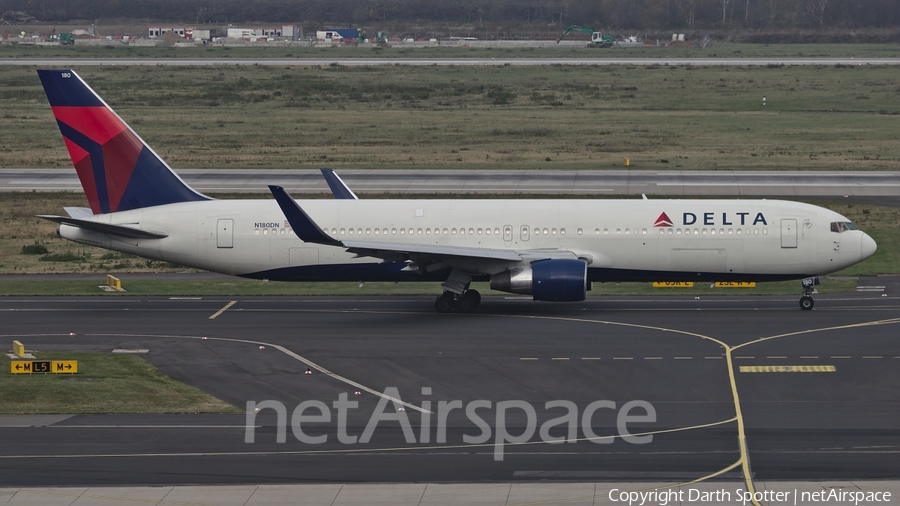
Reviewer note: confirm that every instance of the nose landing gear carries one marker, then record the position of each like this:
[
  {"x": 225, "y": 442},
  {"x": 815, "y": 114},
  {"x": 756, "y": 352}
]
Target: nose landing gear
[
  {"x": 449, "y": 302},
  {"x": 807, "y": 302}
]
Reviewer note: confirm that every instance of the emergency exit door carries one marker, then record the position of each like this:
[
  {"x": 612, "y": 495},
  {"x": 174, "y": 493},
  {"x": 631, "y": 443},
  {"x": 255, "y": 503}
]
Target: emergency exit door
[
  {"x": 225, "y": 233},
  {"x": 788, "y": 233}
]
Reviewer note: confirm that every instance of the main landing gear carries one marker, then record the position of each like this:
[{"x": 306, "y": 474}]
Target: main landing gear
[
  {"x": 449, "y": 302},
  {"x": 807, "y": 302}
]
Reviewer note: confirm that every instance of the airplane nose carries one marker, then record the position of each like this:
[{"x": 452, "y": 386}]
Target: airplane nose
[{"x": 867, "y": 247}]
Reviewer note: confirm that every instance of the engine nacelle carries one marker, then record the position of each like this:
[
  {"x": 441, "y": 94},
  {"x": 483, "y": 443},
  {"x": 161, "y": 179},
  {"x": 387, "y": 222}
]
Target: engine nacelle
[{"x": 556, "y": 280}]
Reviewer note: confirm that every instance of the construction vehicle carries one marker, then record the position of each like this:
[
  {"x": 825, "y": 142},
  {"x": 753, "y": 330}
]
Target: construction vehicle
[
  {"x": 382, "y": 40},
  {"x": 66, "y": 39},
  {"x": 600, "y": 40},
  {"x": 597, "y": 38}
]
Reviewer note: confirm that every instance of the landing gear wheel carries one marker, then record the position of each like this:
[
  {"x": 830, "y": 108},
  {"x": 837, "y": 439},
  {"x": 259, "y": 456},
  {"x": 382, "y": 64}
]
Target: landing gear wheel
[
  {"x": 444, "y": 303},
  {"x": 474, "y": 295},
  {"x": 465, "y": 304},
  {"x": 806, "y": 303}
]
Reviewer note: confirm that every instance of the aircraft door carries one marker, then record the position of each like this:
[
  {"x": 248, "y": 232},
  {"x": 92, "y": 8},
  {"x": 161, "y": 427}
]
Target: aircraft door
[
  {"x": 789, "y": 233},
  {"x": 225, "y": 233},
  {"x": 507, "y": 234}
]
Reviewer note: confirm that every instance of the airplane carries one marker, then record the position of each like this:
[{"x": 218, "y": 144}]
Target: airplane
[{"x": 552, "y": 250}]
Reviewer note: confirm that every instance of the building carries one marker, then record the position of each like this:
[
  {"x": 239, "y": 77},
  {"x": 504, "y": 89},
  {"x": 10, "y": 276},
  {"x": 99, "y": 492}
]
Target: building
[
  {"x": 288, "y": 32},
  {"x": 156, "y": 31}
]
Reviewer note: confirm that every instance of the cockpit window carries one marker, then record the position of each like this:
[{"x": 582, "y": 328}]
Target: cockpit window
[{"x": 842, "y": 226}]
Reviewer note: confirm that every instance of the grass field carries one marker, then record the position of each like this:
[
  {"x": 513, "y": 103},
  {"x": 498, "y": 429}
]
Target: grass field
[
  {"x": 508, "y": 117},
  {"x": 105, "y": 383}
]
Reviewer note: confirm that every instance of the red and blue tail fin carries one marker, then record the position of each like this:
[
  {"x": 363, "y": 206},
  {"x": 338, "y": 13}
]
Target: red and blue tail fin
[{"x": 117, "y": 169}]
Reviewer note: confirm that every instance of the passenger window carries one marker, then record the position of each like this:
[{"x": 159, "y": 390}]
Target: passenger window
[
  {"x": 605, "y": 231},
  {"x": 471, "y": 231},
  {"x": 393, "y": 231},
  {"x": 427, "y": 231},
  {"x": 618, "y": 231},
  {"x": 678, "y": 232},
  {"x": 445, "y": 231},
  {"x": 670, "y": 231},
  {"x": 402, "y": 231},
  {"x": 696, "y": 231},
  {"x": 546, "y": 232},
  {"x": 487, "y": 231},
  {"x": 453, "y": 231},
  {"x": 368, "y": 231},
  {"x": 553, "y": 231},
  {"x": 581, "y": 231},
  {"x": 738, "y": 231},
  {"x": 411, "y": 231},
  {"x": 755, "y": 231},
  {"x": 419, "y": 231},
  {"x": 643, "y": 231},
  {"x": 730, "y": 231},
  {"x": 765, "y": 231}
]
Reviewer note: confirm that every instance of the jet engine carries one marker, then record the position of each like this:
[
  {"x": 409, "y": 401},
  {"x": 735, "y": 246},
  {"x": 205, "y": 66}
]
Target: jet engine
[{"x": 558, "y": 280}]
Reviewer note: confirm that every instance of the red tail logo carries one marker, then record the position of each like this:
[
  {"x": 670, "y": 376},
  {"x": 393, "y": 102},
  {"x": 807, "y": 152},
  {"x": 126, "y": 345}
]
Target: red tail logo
[{"x": 663, "y": 221}]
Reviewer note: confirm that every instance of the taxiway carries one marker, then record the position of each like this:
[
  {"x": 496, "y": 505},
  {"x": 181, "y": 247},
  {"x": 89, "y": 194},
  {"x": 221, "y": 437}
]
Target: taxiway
[{"x": 711, "y": 369}]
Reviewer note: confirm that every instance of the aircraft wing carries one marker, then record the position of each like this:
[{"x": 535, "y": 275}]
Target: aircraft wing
[
  {"x": 308, "y": 231},
  {"x": 339, "y": 188},
  {"x": 361, "y": 247},
  {"x": 105, "y": 228}
]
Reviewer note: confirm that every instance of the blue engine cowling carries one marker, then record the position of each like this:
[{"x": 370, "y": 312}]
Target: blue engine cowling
[
  {"x": 552, "y": 280},
  {"x": 559, "y": 280}
]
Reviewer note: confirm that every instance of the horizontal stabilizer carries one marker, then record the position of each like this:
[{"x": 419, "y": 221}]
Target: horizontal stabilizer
[
  {"x": 105, "y": 228},
  {"x": 79, "y": 212}
]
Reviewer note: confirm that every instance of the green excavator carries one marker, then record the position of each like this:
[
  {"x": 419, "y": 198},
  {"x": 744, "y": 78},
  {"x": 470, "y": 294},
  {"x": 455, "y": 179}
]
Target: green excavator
[{"x": 597, "y": 38}]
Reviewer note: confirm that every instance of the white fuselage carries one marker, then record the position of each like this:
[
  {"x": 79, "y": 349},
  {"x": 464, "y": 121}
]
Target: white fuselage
[{"x": 620, "y": 239}]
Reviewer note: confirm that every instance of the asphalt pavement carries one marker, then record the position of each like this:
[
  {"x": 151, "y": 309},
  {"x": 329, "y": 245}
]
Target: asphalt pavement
[
  {"x": 813, "y": 394},
  {"x": 727, "y": 183}
]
